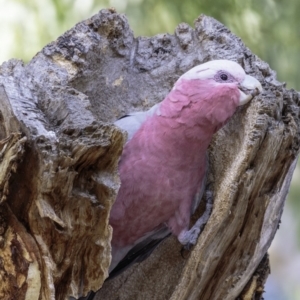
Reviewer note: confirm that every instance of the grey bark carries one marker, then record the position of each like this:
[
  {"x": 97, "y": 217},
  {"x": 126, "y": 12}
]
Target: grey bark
[{"x": 59, "y": 154}]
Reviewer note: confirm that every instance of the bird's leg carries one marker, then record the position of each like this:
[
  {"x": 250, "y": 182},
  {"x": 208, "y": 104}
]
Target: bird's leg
[{"x": 188, "y": 238}]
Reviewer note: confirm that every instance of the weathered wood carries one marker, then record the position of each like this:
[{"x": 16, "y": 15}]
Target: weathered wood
[{"x": 59, "y": 155}]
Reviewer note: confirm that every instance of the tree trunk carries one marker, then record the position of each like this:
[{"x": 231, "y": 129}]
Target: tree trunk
[{"x": 60, "y": 150}]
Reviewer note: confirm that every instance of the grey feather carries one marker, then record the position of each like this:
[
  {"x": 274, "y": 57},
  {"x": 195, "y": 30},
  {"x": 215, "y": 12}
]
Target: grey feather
[
  {"x": 133, "y": 121},
  {"x": 142, "y": 249}
]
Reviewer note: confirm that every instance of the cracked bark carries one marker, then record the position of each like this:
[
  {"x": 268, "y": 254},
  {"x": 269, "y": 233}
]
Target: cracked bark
[{"x": 59, "y": 152}]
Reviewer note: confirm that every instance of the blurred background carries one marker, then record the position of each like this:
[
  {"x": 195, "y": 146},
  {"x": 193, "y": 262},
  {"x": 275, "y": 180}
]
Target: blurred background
[{"x": 271, "y": 29}]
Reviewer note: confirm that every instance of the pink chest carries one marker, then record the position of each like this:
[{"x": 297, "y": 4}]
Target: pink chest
[{"x": 154, "y": 186}]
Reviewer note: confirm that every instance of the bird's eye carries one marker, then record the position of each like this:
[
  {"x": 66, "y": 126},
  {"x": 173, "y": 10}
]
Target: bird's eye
[{"x": 224, "y": 77}]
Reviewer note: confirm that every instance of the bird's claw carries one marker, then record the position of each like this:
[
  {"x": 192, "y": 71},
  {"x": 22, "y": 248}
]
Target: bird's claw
[
  {"x": 184, "y": 252},
  {"x": 186, "y": 249},
  {"x": 188, "y": 246}
]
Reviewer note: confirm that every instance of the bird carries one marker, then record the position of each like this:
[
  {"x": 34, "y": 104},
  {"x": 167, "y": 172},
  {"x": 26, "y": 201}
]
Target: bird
[{"x": 164, "y": 162}]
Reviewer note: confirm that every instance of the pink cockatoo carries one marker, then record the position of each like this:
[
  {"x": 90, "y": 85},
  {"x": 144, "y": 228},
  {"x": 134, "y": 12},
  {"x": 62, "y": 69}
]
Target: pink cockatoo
[{"x": 163, "y": 165}]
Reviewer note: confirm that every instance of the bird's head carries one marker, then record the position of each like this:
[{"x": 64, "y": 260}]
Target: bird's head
[{"x": 225, "y": 73}]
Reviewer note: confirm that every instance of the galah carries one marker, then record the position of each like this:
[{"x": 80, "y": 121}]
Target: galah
[{"x": 163, "y": 164}]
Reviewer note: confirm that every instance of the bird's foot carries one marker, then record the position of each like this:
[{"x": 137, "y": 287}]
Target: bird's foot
[{"x": 188, "y": 238}]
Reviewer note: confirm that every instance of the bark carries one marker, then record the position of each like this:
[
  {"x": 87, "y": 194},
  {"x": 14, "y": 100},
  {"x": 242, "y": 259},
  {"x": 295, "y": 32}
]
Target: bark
[{"x": 59, "y": 154}]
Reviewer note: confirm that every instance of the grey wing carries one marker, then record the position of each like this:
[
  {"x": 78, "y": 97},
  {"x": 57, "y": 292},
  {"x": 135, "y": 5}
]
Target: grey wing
[
  {"x": 133, "y": 121},
  {"x": 141, "y": 250},
  {"x": 201, "y": 189}
]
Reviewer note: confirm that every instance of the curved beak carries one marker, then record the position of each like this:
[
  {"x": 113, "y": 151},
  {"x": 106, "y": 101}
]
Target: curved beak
[{"x": 249, "y": 88}]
